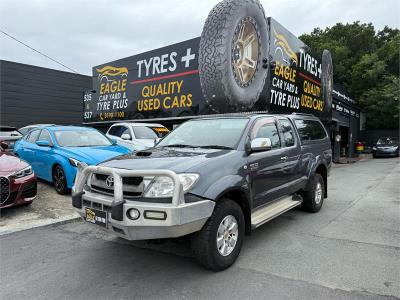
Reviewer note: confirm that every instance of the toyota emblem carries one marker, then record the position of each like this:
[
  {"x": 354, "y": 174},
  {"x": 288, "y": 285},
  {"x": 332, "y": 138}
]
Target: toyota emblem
[{"x": 110, "y": 182}]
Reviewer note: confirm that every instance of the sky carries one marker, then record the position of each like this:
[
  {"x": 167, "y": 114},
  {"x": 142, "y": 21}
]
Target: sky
[{"x": 83, "y": 34}]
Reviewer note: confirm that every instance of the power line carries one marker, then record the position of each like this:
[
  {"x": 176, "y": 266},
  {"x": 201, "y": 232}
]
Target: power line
[{"x": 41, "y": 53}]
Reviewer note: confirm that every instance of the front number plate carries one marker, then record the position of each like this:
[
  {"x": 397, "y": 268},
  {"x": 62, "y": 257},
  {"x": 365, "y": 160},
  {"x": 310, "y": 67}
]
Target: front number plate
[{"x": 95, "y": 216}]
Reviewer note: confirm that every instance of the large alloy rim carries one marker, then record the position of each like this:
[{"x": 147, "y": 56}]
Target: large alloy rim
[
  {"x": 318, "y": 193},
  {"x": 245, "y": 51},
  {"x": 227, "y": 235},
  {"x": 59, "y": 179}
]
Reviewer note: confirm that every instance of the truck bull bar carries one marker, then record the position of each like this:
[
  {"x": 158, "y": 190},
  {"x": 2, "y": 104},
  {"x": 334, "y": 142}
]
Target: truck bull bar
[{"x": 181, "y": 218}]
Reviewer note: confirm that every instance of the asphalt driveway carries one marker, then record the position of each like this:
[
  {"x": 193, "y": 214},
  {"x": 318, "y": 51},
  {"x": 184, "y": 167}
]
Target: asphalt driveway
[{"x": 349, "y": 250}]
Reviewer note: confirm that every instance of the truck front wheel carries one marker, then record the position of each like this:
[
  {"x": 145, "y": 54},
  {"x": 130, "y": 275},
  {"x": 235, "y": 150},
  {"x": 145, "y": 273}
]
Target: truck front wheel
[{"x": 218, "y": 244}]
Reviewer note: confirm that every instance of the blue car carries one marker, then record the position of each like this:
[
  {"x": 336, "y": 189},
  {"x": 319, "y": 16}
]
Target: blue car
[{"x": 55, "y": 151}]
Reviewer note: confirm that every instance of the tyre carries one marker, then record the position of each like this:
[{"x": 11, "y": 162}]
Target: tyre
[
  {"x": 314, "y": 198},
  {"x": 327, "y": 79},
  {"x": 233, "y": 45},
  {"x": 218, "y": 244},
  {"x": 59, "y": 180}
]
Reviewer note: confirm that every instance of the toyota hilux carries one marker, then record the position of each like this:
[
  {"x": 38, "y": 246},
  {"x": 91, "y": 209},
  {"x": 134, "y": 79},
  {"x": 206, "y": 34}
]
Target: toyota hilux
[{"x": 214, "y": 179}]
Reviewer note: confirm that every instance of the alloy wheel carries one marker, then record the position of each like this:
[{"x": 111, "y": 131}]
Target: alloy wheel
[
  {"x": 227, "y": 235},
  {"x": 318, "y": 193},
  {"x": 245, "y": 51},
  {"x": 59, "y": 179}
]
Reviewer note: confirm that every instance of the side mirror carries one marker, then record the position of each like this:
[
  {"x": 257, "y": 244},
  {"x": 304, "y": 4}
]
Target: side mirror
[
  {"x": 125, "y": 136},
  {"x": 43, "y": 143},
  {"x": 3, "y": 145},
  {"x": 260, "y": 144}
]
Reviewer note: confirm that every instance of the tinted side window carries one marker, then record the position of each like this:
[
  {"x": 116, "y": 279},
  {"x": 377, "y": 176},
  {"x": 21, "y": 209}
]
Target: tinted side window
[
  {"x": 270, "y": 131},
  {"x": 45, "y": 136},
  {"x": 287, "y": 132},
  {"x": 33, "y": 136},
  {"x": 310, "y": 130}
]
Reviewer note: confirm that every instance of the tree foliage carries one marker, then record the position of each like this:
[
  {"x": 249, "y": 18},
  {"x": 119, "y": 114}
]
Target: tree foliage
[{"x": 366, "y": 63}]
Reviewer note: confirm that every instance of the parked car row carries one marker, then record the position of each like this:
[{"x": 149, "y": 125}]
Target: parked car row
[{"x": 52, "y": 153}]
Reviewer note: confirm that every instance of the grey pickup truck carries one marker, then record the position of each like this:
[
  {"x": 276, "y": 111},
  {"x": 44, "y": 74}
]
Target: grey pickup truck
[{"x": 215, "y": 178}]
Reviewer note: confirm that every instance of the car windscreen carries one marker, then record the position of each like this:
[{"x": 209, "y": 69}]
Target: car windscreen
[
  {"x": 143, "y": 132},
  {"x": 207, "y": 133},
  {"x": 388, "y": 141},
  {"x": 25, "y": 130},
  {"x": 80, "y": 138}
]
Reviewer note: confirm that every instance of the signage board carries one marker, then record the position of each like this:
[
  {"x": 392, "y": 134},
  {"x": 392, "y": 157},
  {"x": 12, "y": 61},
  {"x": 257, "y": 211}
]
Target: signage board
[{"x": 167, "y": 83}]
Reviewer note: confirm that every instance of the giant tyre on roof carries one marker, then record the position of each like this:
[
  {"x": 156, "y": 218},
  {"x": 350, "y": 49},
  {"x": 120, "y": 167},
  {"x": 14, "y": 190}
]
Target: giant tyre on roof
[
  {"x": 327, "y": 79},
  {"x": 233, "y": 45}
]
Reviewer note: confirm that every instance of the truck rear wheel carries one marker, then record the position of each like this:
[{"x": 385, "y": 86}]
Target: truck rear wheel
[
  {"x": 218, "y": 244},
  {"x": 313, "y": 199},
  {"x": 233, "y": 45}
]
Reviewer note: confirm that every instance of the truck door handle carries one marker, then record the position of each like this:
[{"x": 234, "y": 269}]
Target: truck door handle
[{"x": 284, "y": 158}]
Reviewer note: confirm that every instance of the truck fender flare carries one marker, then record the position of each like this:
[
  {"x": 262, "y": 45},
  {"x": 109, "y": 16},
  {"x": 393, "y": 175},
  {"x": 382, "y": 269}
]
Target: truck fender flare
[
  {"x": 226, "y": 184},
  {"x": 235, "y": 188},
  {"x": 317, "y": 164}
]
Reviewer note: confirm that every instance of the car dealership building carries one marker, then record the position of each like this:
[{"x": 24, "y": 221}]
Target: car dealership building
[{"x": 36, "y": 95}]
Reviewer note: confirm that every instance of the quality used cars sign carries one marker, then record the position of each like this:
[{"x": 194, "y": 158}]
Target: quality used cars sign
[{"x": 157, "y": 84}]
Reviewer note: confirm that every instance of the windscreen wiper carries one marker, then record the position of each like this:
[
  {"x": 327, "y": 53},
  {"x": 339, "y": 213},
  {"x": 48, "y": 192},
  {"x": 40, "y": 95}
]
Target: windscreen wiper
[{"x": 215, "y": 147}]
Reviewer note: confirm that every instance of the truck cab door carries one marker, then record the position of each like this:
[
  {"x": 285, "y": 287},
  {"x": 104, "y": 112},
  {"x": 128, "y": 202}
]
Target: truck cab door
[
  {"x": 267, "y": 168},
  {"x": 292, "y": 155}
]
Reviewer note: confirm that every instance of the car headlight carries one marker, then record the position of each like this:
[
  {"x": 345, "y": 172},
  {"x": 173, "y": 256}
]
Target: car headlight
[
  {"x": 163, "y": 186},
  {"x": 24, "y": 172},
  {"x": 74, "y": 162}
]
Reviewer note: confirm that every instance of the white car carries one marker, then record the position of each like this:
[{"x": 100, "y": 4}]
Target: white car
[
  {"x": 9, "y": 135},
  {"x": 137, "y": 136}
]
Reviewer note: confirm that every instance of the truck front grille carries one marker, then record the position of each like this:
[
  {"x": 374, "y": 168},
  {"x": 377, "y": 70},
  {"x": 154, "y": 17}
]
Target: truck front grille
[
  {"x": 125, "y": 180},
  {"x": 4, "y": 189},
  {"x": 132, "y": 186}
]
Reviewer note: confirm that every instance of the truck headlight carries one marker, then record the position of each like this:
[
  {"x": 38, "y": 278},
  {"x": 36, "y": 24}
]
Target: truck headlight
[
  {"x": 24, "y": 172},
  {"x": 163, "y": 186}
]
